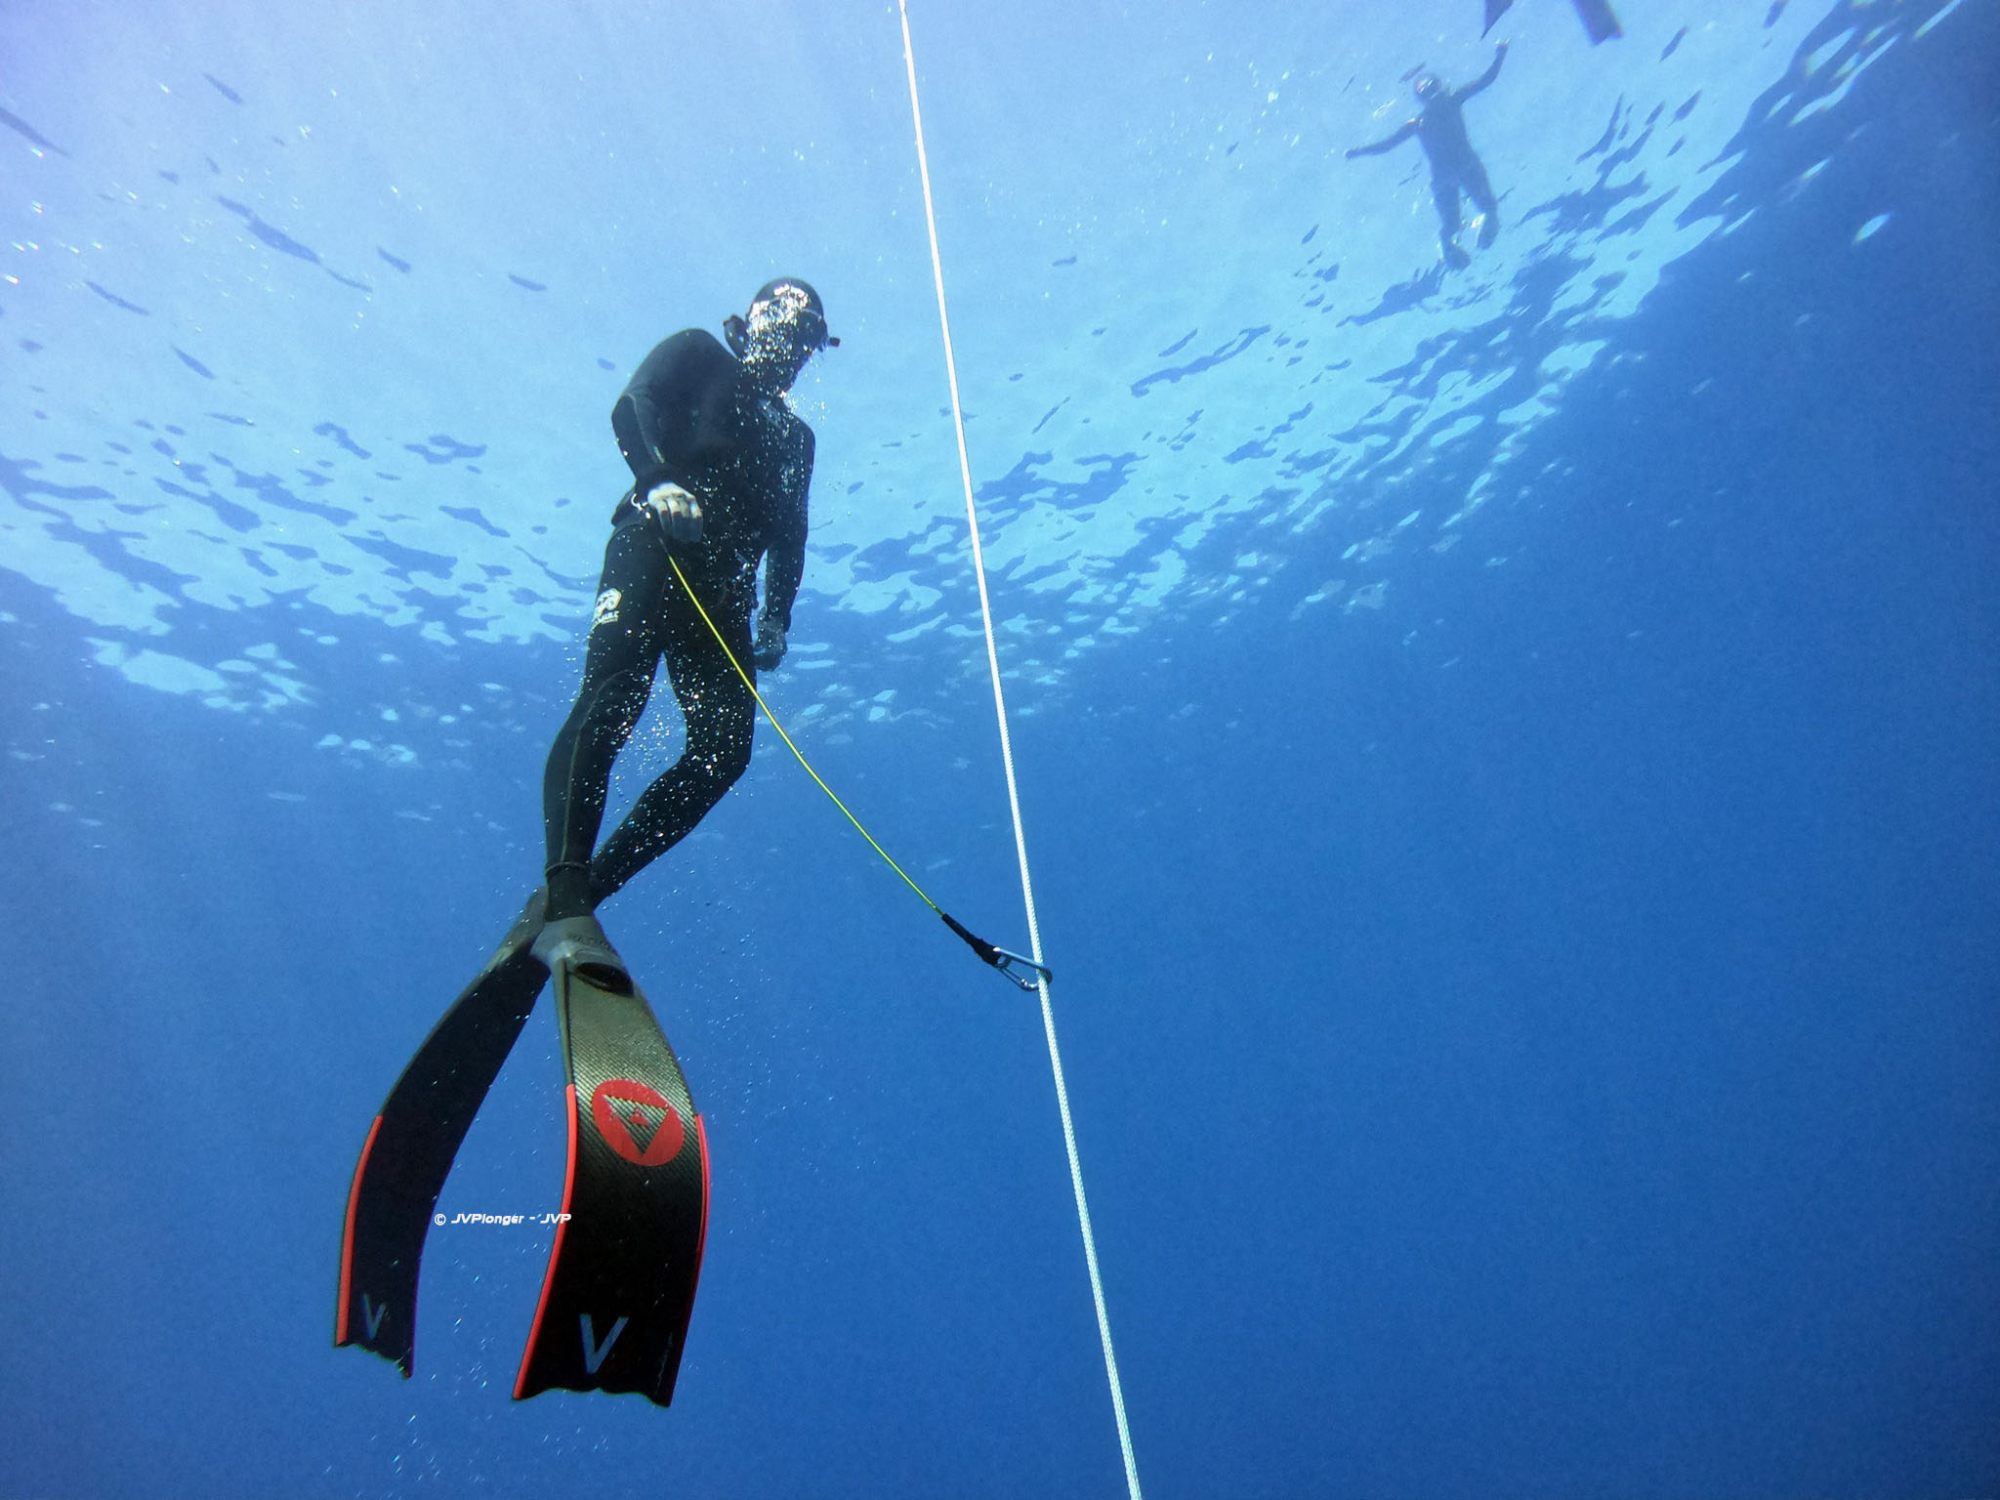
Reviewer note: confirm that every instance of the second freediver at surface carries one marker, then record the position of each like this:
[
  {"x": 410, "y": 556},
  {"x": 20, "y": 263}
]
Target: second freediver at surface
[{"x": 1439, "y": 127}]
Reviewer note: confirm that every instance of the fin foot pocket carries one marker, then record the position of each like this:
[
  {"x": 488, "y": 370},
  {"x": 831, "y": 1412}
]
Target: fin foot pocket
[{"x": 607, "y": 977}]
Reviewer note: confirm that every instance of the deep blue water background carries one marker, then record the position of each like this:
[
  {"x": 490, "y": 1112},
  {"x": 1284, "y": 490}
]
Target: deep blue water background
[{"x": 1571, "y": 1070}]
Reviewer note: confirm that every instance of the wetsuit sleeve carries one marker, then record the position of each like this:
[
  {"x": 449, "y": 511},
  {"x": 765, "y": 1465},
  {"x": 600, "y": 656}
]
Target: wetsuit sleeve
[
  {"x": 785, "y": 554},
  {"x": 1377, "y": 148},
  {"x": 1492, "y": 72},
  {"x": 673, "y": 415}
]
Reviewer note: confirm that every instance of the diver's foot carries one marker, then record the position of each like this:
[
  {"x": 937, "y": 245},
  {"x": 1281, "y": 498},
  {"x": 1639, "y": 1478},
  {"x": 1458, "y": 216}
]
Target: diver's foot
[
  {"x": 1489, "y": 230},
  {"x": 581, "y": 944},
  {"x": 570, "y": 892},
  {"x": 1455, "y": 256}
]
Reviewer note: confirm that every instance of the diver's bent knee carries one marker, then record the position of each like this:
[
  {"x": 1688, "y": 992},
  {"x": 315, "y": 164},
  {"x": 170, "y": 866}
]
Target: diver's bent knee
[
  {"x": 722, "y": 765},
  {"x": 730, "y": 766}
]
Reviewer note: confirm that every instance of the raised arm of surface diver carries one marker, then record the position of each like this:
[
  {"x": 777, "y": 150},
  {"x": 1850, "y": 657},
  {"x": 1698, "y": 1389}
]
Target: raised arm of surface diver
[{"x": 1492, "y": 71}]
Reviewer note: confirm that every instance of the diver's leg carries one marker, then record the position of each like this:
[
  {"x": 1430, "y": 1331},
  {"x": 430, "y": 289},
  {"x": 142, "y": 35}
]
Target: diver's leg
[
  {"x": 721, "y": 718},
  {"x": 1480, "y": 191},
  {"x": 624, "y": 652},
  {"x": 1444, "y": 193}
]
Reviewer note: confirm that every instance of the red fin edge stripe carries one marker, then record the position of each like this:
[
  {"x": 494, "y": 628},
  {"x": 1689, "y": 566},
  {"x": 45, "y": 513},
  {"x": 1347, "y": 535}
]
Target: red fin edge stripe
[
  {"x": 347, "y": 1236},
  {"x": 701, "y": 1242},
  {"x": 555, "y": 1251}
]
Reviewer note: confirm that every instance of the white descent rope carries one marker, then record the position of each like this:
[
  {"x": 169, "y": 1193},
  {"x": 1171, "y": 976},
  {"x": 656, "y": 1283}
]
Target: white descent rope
[{"x": 1013, "y": 793}]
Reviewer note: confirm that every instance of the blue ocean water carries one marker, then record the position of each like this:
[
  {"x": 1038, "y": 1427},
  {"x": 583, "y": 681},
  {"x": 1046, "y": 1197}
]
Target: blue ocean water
[{"x": 1508, "y": 755}]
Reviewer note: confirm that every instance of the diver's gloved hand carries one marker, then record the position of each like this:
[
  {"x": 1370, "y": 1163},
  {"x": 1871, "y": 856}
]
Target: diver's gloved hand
[
  {"x": 675, "y": 511},
  {"x": 770, "y": 648}
]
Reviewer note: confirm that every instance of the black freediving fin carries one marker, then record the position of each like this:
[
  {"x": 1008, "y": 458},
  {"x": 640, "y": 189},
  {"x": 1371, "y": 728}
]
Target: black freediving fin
[
  {"x": 1495, "y": 9},
  {"x": 1599, "y": 20},
  {"x": 621, "y": 1281},
  {"x": 412, "y": 1144}
]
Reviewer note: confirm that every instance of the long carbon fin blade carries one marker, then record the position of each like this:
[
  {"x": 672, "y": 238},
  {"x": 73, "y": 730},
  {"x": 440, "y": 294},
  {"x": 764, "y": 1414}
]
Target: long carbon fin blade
[
  {"x": 414, "y": 1140},
  {"x": 621, "y": 1281}
]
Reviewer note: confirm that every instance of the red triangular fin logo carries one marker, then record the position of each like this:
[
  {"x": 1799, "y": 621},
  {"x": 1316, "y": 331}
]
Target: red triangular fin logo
[{"x": 637, "y": 1122}]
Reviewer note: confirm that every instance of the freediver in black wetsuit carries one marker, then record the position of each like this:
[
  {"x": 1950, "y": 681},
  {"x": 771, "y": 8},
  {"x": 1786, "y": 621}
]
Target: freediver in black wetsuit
[
  {"x": 1455, "y": 168},
  {"x": 720, "y": 465}
]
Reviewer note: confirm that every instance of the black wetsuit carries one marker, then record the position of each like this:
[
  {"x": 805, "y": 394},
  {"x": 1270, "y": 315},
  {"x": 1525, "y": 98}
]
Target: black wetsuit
[
  {"x": 691, "y": 415},
  {"x": 1455, "y": 166}
]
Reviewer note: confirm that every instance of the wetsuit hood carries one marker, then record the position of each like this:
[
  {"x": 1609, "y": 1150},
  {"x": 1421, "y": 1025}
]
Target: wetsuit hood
[{"x": 794, "y": 302}]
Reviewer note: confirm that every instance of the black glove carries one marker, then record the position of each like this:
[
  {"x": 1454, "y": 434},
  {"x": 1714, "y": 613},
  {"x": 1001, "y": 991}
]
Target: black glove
[{"x": 770, "y": 647}]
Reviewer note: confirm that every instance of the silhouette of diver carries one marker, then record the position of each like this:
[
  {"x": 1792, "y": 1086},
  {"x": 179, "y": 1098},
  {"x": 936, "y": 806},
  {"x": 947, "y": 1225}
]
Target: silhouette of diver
[
  {"x": 1440, "y": 129},
  {"x": 720, "y": 466},
  {"x": 1597, "y": 17}
]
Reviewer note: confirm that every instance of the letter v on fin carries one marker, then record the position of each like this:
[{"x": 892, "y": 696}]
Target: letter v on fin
[
  {"x": 372, "y": 1311},
  {"x": 594, "y": 1352}
]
